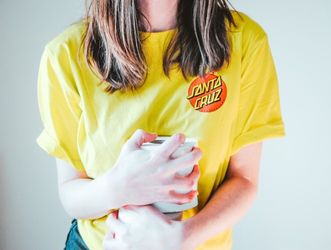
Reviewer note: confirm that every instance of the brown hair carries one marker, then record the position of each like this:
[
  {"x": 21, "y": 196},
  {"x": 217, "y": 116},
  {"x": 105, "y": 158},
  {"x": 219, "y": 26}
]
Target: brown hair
[{"x": 113, "y": 45}]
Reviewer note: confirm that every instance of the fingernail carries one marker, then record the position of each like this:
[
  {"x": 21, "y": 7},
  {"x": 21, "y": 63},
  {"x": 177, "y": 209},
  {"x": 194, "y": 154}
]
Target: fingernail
[
  {"x": 178, "y": 136},
  {"x": 126, "y": 207},
  {"x": 181, "y": 137},
  {"x": 115, "y": 214}
]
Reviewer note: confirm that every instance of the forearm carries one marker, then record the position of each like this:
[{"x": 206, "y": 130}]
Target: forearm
[
  {"x": 228, "y": 204},
  {"x": 89, "y": 198}
]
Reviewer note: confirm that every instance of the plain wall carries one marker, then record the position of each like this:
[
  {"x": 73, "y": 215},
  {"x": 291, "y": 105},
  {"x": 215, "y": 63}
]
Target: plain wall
[{"x": 292, "y": 209}]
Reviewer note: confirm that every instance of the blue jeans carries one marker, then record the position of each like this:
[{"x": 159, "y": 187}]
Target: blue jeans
[{"x": 74, "y": 240}]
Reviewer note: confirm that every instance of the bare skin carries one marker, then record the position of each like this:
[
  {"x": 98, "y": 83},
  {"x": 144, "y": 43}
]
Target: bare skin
[
  {"x": 233, "y": 198},
  {"x": 139, "y": 177},
  {"x": 226, "y": 207},
  {"x": 160, "y": 14}
]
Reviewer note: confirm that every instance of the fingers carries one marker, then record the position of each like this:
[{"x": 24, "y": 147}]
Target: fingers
[
  {"x": 184, "y": 149},
  {"x": 169, "y": 146},
  {"x": 186, "y": 182},
  {"x": 129, "y": 216},
  {"x": 148, "y": 212},
  {"x": 113, "y": 244},
  {"x": 193, "y": 176},
  {"x": 181, "y": 163},
  {"x": 138, "y": 138},
  {"x": 182, "y": 189},
  {"x": 115, "y": 226},
  {"x": 180, "y": 199}
]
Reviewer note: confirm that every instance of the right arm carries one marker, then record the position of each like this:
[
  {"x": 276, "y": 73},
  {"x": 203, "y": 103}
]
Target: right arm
[
  {"x": 137, "y": 178},
  {"x": 83, "y": 197}
]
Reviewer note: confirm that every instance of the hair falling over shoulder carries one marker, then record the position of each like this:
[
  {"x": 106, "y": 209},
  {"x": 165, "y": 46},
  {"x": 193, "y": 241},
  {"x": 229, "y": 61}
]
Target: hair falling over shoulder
[{"x": 113, "y": 46}]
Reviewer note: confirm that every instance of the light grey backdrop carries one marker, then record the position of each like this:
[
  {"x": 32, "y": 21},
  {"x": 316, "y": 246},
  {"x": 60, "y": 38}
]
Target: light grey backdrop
[{"x": 292, "y": 210}]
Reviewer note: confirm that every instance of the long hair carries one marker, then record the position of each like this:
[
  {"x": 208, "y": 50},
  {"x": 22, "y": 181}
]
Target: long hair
[{"x": 113, "y": 46}]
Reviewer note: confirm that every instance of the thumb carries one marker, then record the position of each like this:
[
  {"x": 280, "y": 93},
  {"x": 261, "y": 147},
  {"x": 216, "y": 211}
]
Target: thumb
[{"x": 138, "y": 138}]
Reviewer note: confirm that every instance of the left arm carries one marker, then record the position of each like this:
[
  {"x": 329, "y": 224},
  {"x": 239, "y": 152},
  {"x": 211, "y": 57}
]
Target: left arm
[
  {"x": 230, "y": 202},
  {"x": 225, "y": 207}
]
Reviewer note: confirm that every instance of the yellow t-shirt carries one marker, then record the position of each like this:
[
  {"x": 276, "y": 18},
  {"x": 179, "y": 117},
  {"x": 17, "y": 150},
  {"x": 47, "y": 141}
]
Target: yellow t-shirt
[{"x": 225, "y": 110}]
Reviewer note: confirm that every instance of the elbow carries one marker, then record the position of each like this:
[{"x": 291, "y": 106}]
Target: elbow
[
  {"x": 67, "y": 203},
  {"x": 69, "y": 200},
  {"x": 250, "y": 186}
]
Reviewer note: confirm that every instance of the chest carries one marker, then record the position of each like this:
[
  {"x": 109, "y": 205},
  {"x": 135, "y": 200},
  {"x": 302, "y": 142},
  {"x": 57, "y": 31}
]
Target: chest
[{"x": 200, "y": 107}]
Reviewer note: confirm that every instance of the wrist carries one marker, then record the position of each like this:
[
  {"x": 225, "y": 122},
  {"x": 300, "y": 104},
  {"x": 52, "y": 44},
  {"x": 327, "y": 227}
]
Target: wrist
[
  {"x": 110, "y": 185},
  {"x": 188, "y": 234}
]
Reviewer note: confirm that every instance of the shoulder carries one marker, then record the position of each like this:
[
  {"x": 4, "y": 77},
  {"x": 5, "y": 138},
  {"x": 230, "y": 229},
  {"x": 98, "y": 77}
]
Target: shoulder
[
  {"x": 251, "y": 31},
  {"x": 246, "y": 23},
  {"x": 60, "y": 58},
  {"x": 69, "y": 40}
]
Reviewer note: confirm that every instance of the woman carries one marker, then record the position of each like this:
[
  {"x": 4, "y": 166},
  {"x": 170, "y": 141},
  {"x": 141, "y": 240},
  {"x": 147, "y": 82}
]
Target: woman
[{"x": 148, "y": 68}]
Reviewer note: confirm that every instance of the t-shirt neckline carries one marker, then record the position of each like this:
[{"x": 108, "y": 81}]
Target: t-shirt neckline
[{"x": 157, "y": 35}]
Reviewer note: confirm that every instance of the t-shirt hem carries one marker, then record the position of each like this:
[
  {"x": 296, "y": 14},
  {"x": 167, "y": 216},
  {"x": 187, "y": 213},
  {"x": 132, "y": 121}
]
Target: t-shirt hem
[
  {"x": 85, "y": 236},
  {"x": 257, "y": 135},
  {"x": 53, "y": 148},
  {"x": 211, "y": 244}
]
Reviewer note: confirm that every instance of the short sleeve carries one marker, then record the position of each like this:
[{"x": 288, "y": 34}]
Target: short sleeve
[
  {"x": 259, "y": 111},
  {"x": 59, "y": 108}
]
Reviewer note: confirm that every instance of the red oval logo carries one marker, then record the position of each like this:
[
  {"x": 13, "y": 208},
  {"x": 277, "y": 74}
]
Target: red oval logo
[{"x": 207, "y": 93}]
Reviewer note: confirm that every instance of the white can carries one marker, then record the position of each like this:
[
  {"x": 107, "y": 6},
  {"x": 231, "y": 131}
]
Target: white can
[{"x": 168, "y": 207}]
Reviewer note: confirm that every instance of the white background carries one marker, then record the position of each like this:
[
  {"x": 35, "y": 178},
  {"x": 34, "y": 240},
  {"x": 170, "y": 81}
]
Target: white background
[{"x": 292, "y": 210}]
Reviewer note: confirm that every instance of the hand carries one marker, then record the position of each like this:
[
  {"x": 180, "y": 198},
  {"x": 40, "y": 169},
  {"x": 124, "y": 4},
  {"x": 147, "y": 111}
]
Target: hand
[
  {"x": 141, "y": 228},
  {"x": 149, "y": 176}
]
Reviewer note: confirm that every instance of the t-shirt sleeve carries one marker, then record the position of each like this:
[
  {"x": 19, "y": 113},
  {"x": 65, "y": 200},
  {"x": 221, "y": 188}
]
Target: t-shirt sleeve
[
  {"x": 259, "y": 112},
  {"x": 59, "y": 107}
]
